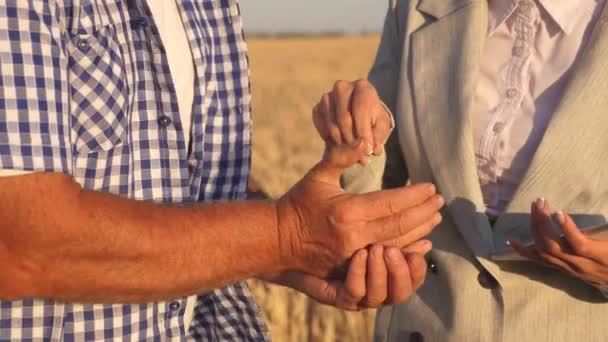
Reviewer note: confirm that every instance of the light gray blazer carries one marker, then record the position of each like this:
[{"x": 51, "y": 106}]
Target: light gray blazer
[{"x": 425, "y": 71}]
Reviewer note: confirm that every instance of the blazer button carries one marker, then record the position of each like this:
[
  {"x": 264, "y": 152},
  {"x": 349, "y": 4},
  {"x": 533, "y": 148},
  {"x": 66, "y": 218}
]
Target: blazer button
[
  {"x": 416, "y": 337},
  {"x": 487, "y": 281},
  {"x": 432, "y": 265}
]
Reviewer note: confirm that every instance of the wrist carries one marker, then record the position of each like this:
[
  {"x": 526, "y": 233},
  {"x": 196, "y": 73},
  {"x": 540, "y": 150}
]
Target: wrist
[{"x": 287, "y": 228}]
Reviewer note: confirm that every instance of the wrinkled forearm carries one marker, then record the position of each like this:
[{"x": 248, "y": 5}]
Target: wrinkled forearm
[{"x": 58, "y": 241}]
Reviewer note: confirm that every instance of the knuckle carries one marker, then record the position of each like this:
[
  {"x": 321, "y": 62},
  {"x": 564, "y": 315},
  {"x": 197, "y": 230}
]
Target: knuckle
[
  {"x": 580, "y": 248},
  {"x": 363, "y": 83},
  {"x": 341, "y": 85},
  {"x": 345, "y": 119},
  {"x": 545, "y": 256},
  {"x": 553, "y": 248},
  {"x": 342, "y": 214},
  {"x": 335, "y": 133}
]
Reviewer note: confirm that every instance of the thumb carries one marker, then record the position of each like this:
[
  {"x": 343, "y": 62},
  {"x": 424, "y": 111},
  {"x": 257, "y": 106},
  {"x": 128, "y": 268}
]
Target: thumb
[{"x": 337, "y": 158}]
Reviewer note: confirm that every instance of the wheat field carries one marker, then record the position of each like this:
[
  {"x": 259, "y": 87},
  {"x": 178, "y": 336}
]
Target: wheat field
[{"x": 289, "y": 75}]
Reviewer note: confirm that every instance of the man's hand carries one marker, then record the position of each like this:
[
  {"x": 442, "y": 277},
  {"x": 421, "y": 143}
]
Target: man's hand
[
  {"x": 376, "y": 276},
  {"x": 321, "y": 226},
  {"x": 353, "y": 111},
  {"x": 575, "y": 254}
]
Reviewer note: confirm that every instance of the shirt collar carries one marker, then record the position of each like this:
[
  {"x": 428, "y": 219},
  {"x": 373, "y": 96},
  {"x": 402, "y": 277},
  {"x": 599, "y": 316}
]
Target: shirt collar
[{"x": 565, "y": 13}]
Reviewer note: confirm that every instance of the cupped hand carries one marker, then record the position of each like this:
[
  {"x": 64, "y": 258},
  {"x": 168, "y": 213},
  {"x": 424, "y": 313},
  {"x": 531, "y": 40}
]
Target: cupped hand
[{"x": 576, "y": 254}]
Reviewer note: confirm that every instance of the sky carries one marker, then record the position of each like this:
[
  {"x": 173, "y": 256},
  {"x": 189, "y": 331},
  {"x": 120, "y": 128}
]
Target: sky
[{"x": 276, "y": 16}]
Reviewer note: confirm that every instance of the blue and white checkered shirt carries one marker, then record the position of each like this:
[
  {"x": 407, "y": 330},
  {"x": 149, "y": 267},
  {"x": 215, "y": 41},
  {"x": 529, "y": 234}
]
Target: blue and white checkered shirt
[{"x": 85, "y": 89}]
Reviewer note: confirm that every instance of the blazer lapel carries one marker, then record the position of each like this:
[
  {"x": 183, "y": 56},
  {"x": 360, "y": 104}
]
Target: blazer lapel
[
  {"x": 445, "y": 56},
  {"x": 574, "y": 145}
]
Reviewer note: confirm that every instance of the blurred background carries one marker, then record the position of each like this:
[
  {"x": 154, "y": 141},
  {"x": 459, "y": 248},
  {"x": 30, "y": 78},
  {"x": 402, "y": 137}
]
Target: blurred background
[{"x": 298, "y": 49}]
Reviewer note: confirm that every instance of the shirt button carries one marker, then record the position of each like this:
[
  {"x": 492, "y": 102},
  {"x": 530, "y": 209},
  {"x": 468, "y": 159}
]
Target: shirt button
[
  {"x": 138, "y": 23},
  {"x": 512, "y": 92},
  {"x": 487, "y": 281},
  {"x": 498, "y": 127},
  {"x": 83, "y": 45},
  {"x": 164, "y": 121},
  {"x": 174, "y": 306}
]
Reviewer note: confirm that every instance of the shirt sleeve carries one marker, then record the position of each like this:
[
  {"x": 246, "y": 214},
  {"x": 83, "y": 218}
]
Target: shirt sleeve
[{"x": 34, "y": 93}]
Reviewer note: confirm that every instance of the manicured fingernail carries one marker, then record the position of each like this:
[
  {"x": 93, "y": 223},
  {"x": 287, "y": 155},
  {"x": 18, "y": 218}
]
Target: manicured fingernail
[
  {"x": 540, "y": 202},
  {"x": 369, "y": 148},
  {"x": 432, "y": 188},
  {"x": 561, "y": 218}
]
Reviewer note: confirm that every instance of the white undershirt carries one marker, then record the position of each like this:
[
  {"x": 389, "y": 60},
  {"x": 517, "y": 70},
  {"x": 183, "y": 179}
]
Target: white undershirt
[{"x": 181, "y": 63}]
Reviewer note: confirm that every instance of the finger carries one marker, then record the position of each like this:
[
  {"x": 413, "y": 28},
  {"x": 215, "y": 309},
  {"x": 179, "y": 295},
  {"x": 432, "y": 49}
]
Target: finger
[
  {"x": 406, "y": 240},
  {"x": 399, "y": 278},
  {"x": 354, "y": 288},
  {"x": 381, "y": 131},
  {"x": 385, "y": 203},
  {"x": 362, "y": 105},
  {"x": 421, "y": 247},
  {"x": 376, "y": 278},
  {"x": 529, "y": 253},
  {"x": 335, "y": 160},
  {"x": 418, "y": 268},
  {"x": 579, "y": 243},
  {"x": 341, "y": 97},
  {"x": 574, "y": 266},
  {"x": 327, "y": 112},
  {"x": 545, "y": 238},
  {"x": 552, "y": 248},
  {"x": 404, "y": 224},
  {"x": 320, "y": 124}
]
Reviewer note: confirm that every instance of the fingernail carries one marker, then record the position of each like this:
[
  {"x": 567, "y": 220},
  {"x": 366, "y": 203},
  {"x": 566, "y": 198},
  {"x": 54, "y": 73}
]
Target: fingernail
[
  {"x": 432, "y": 188},
  {"x": 540, "y": 203},
  {"x": 365, "y": 161},
  {"x": 561, "y": 218},
  {"x": 439, "y": 200},
  {"x": 369, "y": 148},
  {"x": 438, "y": 218},
  {"x": 357, "y": 143},
  {"x": 427, "y": 246}
]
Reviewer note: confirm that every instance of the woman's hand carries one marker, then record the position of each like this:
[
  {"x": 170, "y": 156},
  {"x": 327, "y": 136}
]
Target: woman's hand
[
  {"x": 575, "y": 253},
  {"x": 353, "y": 112}
]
